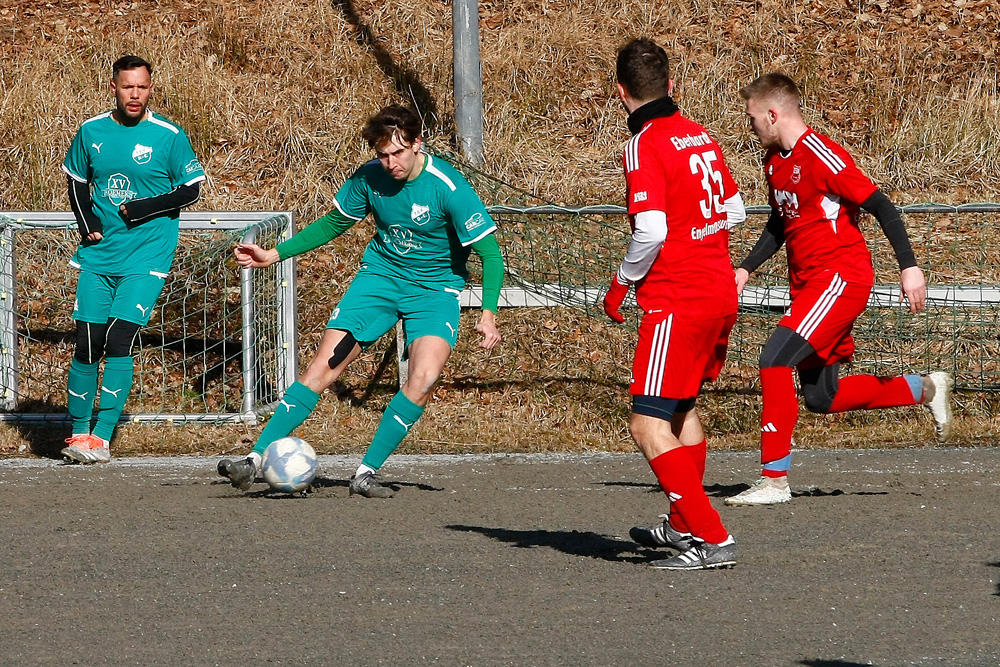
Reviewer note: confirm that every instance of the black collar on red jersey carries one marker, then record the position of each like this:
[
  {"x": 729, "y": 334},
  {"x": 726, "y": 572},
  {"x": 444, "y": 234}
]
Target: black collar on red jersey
[{"x": 660, "y": 108}]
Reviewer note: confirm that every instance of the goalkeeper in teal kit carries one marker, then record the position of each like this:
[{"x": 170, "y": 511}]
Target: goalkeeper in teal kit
[
  {"x": 129, "y": 172},
  {"x": 428, "y": 218}
]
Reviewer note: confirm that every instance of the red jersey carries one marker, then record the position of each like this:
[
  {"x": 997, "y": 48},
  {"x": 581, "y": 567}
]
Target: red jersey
[
  {"x": 818, "y": 190},
  {"x": 674, "y": 165}
]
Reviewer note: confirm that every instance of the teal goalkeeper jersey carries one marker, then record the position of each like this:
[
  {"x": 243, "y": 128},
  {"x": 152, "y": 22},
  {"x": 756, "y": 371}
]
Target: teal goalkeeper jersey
[
  {"x": 424, "y": 227},
  {"x": 124, "y": 163}
]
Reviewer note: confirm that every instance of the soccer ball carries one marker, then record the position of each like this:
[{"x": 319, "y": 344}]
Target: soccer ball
[{"x": 289, "y": 465}]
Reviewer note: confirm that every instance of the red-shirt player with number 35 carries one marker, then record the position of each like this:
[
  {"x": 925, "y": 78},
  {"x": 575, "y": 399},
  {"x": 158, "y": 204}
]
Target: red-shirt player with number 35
[
  {"x": 682, "y": 200},
  {"x": 816, "y": 192}
]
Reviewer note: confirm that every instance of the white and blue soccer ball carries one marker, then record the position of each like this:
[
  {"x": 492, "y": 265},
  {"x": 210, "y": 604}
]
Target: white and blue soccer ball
[{"x": 289, "y": 465}]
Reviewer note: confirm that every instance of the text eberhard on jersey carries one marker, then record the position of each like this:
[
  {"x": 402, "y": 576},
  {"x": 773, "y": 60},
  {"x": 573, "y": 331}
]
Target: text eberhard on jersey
[
  {"x": 424, "y": 227},
  {"x": 124, "y": 163},
  {"x": 674, "y": 165},
  {"x": 818, "y": 190}
]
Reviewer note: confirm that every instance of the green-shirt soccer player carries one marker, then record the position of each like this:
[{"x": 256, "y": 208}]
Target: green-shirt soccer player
[
  {"x": 129, "y": 173},
  {"x": 428, "y": 218}
]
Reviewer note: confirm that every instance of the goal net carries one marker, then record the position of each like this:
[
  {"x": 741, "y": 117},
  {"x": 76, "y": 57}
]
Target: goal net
[
  {"x": 220, "y": 345},
  {"x": 565, "y": 256}
]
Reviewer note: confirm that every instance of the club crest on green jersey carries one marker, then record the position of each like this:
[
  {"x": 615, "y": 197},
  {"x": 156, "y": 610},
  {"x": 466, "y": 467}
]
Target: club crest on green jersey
[
  {"x": 420, "y": 214},
  {"x": 141, "y": 154}
]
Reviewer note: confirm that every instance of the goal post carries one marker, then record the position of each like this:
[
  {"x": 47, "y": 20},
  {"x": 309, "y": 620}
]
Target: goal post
[{"x": 220, "y": 346}]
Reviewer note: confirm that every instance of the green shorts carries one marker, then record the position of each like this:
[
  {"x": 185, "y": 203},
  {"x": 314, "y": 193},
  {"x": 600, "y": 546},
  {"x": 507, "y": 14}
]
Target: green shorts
[
  {"x": 100, "y": 298},
  {"x": 374, "y": 303}
]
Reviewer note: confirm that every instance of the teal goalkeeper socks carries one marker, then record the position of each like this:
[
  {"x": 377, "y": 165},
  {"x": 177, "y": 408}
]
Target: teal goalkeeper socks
[
  {"x": 399, "y": 416},
  {"x": 298, "y": 403},
  {"x": 81, "y": 390},
  {"x": 115, "y": 387}
]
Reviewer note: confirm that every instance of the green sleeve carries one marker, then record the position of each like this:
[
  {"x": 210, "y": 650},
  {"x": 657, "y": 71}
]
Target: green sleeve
[
  {"x": 489, "y": 252},
  {"x": 327, "y": 228}
]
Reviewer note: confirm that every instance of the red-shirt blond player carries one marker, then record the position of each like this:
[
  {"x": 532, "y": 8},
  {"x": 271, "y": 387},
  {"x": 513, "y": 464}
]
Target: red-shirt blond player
[
  {"x": 681, "y": 203},
  {"x": 816, "y": 191}
]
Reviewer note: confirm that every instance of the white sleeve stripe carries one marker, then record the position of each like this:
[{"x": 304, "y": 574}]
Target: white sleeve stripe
[
  {"x": 632, "y": 151},
  {"x": 336, "y": 205},
  {"x": 76, "y": 178},
  {"x": 197, "y": 179},
  {"x": 99, "y": 116},
  {"x": 78, "y": 209},
  {"x": 481, "y": 236},
  {"x": 162, "y": 123},
  {"x": 823, "y": 152},
  {"x": 431, "y": 169}
]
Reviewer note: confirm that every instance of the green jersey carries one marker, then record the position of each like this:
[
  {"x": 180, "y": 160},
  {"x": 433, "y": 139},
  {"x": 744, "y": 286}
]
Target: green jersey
[
  {"x": 425, "y": 227},
  {"x": 123, "y": 163}
]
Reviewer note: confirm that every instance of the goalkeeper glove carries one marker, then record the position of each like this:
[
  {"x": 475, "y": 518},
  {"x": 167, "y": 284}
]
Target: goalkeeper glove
[{"x": 613, "y": 299}]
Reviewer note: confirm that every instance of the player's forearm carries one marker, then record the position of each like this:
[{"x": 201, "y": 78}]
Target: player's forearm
[
  {"x": 736, "y": 211},
  {"x": 489, "y": 252},
  {"x": 317, "y": 233},
  {"x": 771, "y": 239},
  {"x": 83, "y": 208},
  {"x": 139, "y": 211},
  {"x": 892, "y": 226},
  {"x": 647, "y": 239}
]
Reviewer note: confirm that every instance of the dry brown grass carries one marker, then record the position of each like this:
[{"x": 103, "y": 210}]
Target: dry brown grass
[{"x": 272, "y": 96}]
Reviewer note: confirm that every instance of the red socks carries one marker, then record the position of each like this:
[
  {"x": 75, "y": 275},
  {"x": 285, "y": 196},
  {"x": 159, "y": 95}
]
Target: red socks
[
  {"x": 778, "y": 417},
  {"x": 867, "y": 392},
  {"x": 679, "y": 478},
  {"x": 698, "y": 454}
]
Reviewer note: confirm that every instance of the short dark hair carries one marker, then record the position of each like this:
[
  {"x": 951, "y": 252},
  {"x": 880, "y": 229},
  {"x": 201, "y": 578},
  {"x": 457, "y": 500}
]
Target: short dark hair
[
  {"x": 774, "y": 86},
  {"x": 130, "y": 62},
  {"x": 393, "y": 121},
  {"x": 643, "y": 69}
]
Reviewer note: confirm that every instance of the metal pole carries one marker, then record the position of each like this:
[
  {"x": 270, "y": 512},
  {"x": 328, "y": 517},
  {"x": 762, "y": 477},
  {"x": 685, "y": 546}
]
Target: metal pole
[{"x": 468, "y": 79}]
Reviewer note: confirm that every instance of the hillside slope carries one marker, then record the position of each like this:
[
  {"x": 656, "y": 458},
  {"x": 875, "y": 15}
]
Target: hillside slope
[{"x": 273, "y": 95}]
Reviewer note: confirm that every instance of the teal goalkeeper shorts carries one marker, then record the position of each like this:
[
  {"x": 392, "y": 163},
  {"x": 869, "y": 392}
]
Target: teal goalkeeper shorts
[
  {"x": 100, "y": 298},
  {"x": 374, "y": 303}
]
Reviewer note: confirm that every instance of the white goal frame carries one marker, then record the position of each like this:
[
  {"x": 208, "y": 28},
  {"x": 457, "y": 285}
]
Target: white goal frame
[{"x": 255, "y": 402}]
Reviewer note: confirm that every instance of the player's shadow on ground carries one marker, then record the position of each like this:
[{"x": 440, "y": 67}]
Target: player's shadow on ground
[
  {"x": 726, "y": 490},
  {"x": 322, "y": 482},
  {"x": 572, "y": 542},
  {"x": 833, "y": 663},
  {"x": 997, "y": 564}
]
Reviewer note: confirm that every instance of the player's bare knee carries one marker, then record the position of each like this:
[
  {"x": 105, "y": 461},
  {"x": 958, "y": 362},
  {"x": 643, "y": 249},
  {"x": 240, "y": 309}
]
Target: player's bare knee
[{"x": 420, "y": 385}]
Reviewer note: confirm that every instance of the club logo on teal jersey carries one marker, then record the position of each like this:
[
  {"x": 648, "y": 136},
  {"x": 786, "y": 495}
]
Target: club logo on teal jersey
[
  {"x": 141, "y": 154},
  {"x": 401, "y": 239},
  {"x": 420, "y": 214},
  {"x": 119, "y": 189},
  {"x": 476, "y": 220},
  {"x": 192, "y": 166}
]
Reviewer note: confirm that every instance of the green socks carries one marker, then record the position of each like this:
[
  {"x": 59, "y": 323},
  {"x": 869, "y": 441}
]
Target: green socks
[
  {"x": 82, "y": 388},
  {"x": 399, "y": 416},
  {"x": 115, "y": 387},
  {"x": 298, "y": 403}
]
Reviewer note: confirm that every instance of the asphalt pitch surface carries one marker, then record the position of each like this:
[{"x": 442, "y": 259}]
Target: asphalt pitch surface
[{"x": 882, "y": 558}]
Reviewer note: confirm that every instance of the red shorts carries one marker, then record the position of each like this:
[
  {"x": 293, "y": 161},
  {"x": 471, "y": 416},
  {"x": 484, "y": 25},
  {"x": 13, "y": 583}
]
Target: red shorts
[
  {"x": 823, "y": 312},
  {"x": 675, "y": 355}
]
